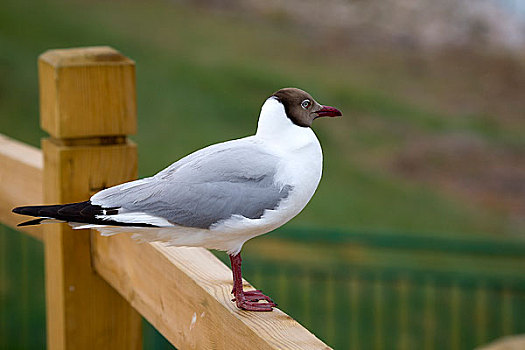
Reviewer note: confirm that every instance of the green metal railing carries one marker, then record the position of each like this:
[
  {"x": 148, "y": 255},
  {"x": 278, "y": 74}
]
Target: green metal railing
[
  {"x": 368, "y": 290},
  {"x": 366, "y": 308},
  {"x": 396, "y": 290}
]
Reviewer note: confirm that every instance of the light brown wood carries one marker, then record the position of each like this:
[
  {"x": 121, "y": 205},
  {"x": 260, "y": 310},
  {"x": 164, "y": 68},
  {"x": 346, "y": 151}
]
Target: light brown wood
[
  {"x": 83, "y": 311},
  {"x": 20, "y": 182},
  {"x": 185, "y": 294},
  {"x": 509, "y": 342},
  {"x": 167, "y": 285},
  {"x": 84, "y": 93},
  {"x": 87, "y": 92}
]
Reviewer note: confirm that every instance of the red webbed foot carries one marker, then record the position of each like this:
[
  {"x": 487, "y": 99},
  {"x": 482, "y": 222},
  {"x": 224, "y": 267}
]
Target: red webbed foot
[
  {"x": 249, "y": 305},
  {"x": 255, "y": 296},
  {"x": 251, "y": 300}
]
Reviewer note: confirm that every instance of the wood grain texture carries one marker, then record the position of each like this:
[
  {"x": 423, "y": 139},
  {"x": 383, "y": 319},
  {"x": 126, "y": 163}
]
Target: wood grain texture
[
  {"x": 83, "y": 311},
  {"x": 20, "y": 182},
  {"x": 88, "y": 106},
  {"x": 87, "y": 92},
  {"x": 185, "y": 294},
  {"x": 87, "y": 99}
]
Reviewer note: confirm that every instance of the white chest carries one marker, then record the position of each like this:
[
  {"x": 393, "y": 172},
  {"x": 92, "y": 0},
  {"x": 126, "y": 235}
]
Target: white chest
[
  {"x": 300, "y": 153},
  {"x": 302, "y": 169}
]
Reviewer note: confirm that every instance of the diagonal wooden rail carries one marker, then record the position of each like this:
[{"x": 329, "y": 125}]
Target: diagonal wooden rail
[
  {"x": 20, "y": 181},
  {"x": 98, "y": 286}
]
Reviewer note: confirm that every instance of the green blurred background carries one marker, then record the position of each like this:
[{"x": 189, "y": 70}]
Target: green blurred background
[{"x": 420, "y": 215}]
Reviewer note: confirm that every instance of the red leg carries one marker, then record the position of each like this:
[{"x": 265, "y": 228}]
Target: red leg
[{"x": 247, "y": 300}]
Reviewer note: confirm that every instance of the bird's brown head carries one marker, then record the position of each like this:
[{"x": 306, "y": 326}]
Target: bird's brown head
[{"x": 301, "y": 107}]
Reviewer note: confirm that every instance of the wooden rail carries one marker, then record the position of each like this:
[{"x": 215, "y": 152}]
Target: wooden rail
[
  {"x": 97, "y": 287},
  {"x": 20, "y": 181}
]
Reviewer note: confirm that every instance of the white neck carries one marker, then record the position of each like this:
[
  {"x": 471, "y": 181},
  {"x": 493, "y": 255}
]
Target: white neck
[{"x": 275, "y": 126}]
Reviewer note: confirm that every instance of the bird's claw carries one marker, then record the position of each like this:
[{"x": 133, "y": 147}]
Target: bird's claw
[
  {"x": 249, "y": 300},
  {"x": 254, "y": 306}
]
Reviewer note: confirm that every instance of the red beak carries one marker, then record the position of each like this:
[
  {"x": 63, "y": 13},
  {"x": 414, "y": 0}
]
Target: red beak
[{"x": 328, "y": 111}]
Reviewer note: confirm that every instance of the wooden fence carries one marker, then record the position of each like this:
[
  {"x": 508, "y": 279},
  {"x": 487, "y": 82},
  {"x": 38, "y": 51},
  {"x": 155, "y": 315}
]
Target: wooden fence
[{"x": 98, "y": 287}]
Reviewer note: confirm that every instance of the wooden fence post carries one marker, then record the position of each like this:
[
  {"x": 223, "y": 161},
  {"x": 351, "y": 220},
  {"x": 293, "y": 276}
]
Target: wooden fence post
[{"x": 87, "y": 105}]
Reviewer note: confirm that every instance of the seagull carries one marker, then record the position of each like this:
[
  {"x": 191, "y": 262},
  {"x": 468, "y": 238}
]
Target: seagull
[{"x": 218, "y": 197}]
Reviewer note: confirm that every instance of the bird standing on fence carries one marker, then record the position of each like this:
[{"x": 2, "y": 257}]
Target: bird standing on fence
[{"x": 220, "y": 196}]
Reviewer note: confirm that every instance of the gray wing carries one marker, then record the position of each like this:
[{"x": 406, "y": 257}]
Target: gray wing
[{"x": 205, "y": 187}]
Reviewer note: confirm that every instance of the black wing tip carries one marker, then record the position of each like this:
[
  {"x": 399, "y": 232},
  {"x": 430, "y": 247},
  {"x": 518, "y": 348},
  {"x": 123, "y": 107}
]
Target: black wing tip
[
  {"x": 29, "y": 209},
  {"x": 18, "y": 210},
  {"x": 33, "y": 210},
  {"x": 82, "y": 212},
  {"x": 31, "y": 222}
]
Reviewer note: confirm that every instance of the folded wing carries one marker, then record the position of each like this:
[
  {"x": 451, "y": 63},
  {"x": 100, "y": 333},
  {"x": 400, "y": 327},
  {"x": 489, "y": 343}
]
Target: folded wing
[{"x": 201, "y": 189}]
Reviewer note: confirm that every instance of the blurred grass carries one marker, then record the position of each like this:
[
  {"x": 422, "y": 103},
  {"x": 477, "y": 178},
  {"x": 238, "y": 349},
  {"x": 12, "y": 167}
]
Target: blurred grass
[
  {"x": 201, "y": 78},
  {"x": 22, "y": 298}
]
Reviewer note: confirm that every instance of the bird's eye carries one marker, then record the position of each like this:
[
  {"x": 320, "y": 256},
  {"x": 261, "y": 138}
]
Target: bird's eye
[{"x": 305, "y": 104}]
